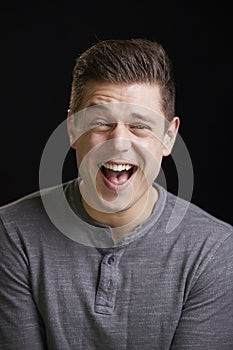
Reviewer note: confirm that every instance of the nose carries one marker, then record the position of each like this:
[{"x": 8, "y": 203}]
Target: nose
[{"x": 120, "y": 138}]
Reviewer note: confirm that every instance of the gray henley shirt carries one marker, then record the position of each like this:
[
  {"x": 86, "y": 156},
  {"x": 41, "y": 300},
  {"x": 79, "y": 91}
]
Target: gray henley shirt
[{"x": 77, "y": 290}]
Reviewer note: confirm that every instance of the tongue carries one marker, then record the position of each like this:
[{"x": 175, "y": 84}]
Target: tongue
[{"x": 117, "y": 177}]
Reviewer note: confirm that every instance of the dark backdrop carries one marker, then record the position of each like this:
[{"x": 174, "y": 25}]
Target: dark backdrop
[{"x": 39, "y": 45}]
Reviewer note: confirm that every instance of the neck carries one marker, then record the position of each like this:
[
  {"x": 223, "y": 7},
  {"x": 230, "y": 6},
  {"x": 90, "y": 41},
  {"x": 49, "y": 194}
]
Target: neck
[{"x": 125, "y": 221}]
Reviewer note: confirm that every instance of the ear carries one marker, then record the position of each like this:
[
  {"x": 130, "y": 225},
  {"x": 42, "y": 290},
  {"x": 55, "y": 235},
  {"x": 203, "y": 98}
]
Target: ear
[
  {"x": 170, "y": 136},
  {"x": 71, "y": 129}
]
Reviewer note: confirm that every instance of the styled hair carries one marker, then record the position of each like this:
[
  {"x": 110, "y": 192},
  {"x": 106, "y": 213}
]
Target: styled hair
[{"x": 125, "y": 62}]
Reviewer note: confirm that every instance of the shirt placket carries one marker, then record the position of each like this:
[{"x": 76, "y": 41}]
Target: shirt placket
[{"x": 108, "y": 281}]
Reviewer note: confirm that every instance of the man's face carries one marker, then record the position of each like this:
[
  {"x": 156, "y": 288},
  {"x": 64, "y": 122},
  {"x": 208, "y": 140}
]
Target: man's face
[{"x": 120, "y": 139}]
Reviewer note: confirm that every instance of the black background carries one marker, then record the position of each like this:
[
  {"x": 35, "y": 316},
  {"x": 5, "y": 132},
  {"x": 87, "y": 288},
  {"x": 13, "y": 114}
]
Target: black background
[{"x": 39, "y": 44}]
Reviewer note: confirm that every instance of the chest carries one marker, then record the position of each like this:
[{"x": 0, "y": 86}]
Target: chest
[{"x": 115, "y": 297}]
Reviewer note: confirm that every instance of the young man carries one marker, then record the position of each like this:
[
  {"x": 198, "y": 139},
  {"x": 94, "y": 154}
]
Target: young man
[{"x": 90, "y": 264}]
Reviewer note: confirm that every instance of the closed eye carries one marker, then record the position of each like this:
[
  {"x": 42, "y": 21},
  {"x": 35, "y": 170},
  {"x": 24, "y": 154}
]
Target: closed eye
[
  {"x": 140, "y": 126},
  {"x": 99, "y": 125}
]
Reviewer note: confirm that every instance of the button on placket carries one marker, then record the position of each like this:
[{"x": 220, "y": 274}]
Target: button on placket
[
  {"x": 102, "y": 238},
  {"x": 106, "y": 292},
  {"x": 111, "y": 260},
  {"x": 100, "y": 235},
  {"x": 111, "y": 273}
]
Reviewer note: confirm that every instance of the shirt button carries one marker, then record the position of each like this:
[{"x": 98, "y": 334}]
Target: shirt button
[
  {"x": 100, "y": 235},
  {"x": 111, "y": 260}
]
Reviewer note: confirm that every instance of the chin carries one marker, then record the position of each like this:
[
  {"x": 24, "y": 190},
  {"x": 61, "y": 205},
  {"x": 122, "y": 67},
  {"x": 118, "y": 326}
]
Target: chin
[
  {"x": 114, "y": 203},
  {"x": 106, "y": 201}
]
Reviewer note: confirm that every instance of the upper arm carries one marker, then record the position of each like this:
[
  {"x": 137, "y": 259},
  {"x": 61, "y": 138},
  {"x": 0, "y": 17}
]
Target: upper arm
[
  {"x": 207, "y": 317},
  {"x": 20, "y": 323}
]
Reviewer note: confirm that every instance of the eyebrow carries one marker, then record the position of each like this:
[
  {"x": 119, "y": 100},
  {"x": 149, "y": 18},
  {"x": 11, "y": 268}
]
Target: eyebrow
[
  {"x": 145, "y": 117},
  {"x": 98, "y": 106}
]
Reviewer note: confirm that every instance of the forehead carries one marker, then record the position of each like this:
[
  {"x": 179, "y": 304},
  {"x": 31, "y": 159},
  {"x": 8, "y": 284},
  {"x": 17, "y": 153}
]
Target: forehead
[{"x": 144, "y": 95}]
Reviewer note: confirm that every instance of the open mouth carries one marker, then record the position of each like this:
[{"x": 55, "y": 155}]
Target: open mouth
[{"x": 116, "y": 174}]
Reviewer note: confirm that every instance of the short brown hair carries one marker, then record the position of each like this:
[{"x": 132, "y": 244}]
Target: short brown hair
[{"x": 125, "y": 61}]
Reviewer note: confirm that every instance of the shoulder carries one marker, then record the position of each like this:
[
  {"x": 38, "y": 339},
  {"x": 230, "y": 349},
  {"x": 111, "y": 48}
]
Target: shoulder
[
  {"x": 29, "y": 215},
  {"x": 21, "y": 208},
  {"x": 190, "y": 214},
  {"x": 33, "y": 203},
  {"x": 193, "y": 227},
  {"x": 199, "y": 241},
  {"x": 24, "y": 207}
]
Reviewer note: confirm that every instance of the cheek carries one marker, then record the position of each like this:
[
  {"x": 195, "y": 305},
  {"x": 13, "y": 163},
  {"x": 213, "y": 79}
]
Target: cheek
[
  {"x": 153, "y": 149},
  {"x": 85, "y": 144},
  {"x": 153, "y": 154},
  {"x": 81, "y": 150}
]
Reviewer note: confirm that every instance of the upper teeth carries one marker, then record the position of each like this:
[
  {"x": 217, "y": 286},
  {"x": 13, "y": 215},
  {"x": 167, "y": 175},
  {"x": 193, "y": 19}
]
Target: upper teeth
[{"x": 117, "y": 167}]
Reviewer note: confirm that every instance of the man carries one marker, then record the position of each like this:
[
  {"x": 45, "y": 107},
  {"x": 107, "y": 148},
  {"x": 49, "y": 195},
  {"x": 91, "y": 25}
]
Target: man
[{"x": 90, "y": 264}]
